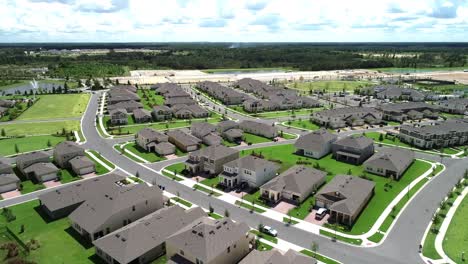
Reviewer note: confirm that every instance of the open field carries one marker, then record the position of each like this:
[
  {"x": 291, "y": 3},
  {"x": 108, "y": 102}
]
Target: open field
[
  {"x": 418, "y": 70},
  {"x": 245, "y": 70},
  {"x": 304, "y": 124},
  {"x": 57, "y": 106},
  {"x": 39, "y": 128},
  {"x": 331, "y": 86},
  {"x": 25, "y": 144},
  {"x": 456, "y": 238},
  {"x": 291, "y": 113},
  {"x": 59, "y": 243}
]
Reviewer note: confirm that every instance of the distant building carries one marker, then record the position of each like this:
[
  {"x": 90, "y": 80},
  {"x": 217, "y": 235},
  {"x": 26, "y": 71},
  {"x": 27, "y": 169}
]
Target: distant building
[
  {"x": 403, "y": 111},
  {"x": 396, "y": 92},
  {"x": 315, "y": 144},
  {"x": 454, "y": 106},
  {"x": 226, "y": 95},
  {"x": 347, "y": 116},
  {"x": 211, "y": 159},
  {"x": 258, "y": 128}
]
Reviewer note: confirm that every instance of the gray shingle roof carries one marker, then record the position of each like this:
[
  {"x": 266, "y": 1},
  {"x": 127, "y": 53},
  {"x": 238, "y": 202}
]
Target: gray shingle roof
[
  {"x": 206, "y": 238},
  {"x": 297, "y": 179},
  {"x": 404, "y": 107},
  {"x": 183, "y": 137},
  {"x": 345, "y": 111},
  {"x": 251, "y": 163},
  {"x": 31, "y": 156},
  {"x": 41, "y": 168},
  {"x": 351, "y": 189},
  {"x": 395, "y": 159},
  {"x": 440, "y": 128},
  {"x": 67, "y": 147},
  {"x": 139, "y": 237},
  {"x": 151, "y": 134},
  {"x": 8, "y": 179},
  {"x": 275, "y": 257},
  {"x": 214, "y": 152},
  {"x": 201, "y": 129},
  {"x": 358, "y": 142},
  {"x": 315, "y": 140},
  {"x": 141, "y": 113},
  {"x": 80, "y": 162}
]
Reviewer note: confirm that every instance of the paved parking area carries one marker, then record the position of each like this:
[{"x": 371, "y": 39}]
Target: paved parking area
[
  {"x": 311, "y": 218},
  {"x": 283, "y": 207},
  {"x": 172, "y": 156},
  {"x": 10, "y": 194}
]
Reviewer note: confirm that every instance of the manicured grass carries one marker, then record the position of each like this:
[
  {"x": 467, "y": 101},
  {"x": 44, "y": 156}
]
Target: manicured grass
[
  {"x": 135, "y": 179},
  {"x": 39, "y": 128},
  {"x": 303, "y": 210},
  {"x": 161, "y": 260},
  {"x": 229, "y": 144},
  {"x": 291, "y": 113},
  {"x": 332, "y": 86},
  {"x": 376, "y": 237},
  {"x": 255, "y": 197},
  {"x": 450, "y": 151},
  {"x": 265, "y": 236},
  {"x": 353, "y": 241},
  {"x": 385, "y": 190},
  {"x": 108, "y": 163},
  {"x": 447, "y": 115},
  {"x": 211, "y": 182},
  {"x": 182, "y": 201},
  {"x": 289, "y": 221},
  {"x": 107, "y": 121},
  {"x": 254, "y": 139},
  {"x": 412, "y": 70},
  {"x": 58, "y": 241},
  {"x": 288, "y": 136},
  {"x": 390, "y": 140},
  {"x": 99, "y": 168},
  {"x": 178, "y": 168},
  {"x": 262, "y": 246},
  {"x": 149, "y": 156},
  {"x": 68, "y": 176},
  {"x": 304, "y": 124},
  {"x": 57, "y": 106},
  {"x": 456, "y": 238},
  {"x": 240, "y": 109},
  {"x": 28, "y": 187},
  {"x": 250, "y": 207},
  {"x": 206, "y": 190},
  {"x": 151, "y": 100},
  {"x": 25, "y": 144},
  {"x": 172, "y": 176},
  {"x": 126, "y": 154},
  {"x": 215, "y": 216},
  {"x": 318, "y": 257}
]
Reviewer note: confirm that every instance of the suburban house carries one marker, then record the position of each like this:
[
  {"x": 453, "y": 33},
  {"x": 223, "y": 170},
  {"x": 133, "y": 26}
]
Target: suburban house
[
  {"x": 187, "y": 111},
  {"x": 207, "y": 133},
  {"x": 252, "y": 170},
  {"x": 230, "y": 131},
  {"x": 118, "y": 116},
  {"x": 161, "y": 113},
  {"x": 390, "y": 162},
  {"x": 442, "y": 134},
  {"x": 122, "y": 94},
  {"x": 148, "y": 139},
  {"x": 8, "y": 179},
  {"x": 114, "y": 207},
  {"x": 315, "y": 144},
  {"x": 129, "y": 106},
  {"x": 454, "y": 106},
  {"x": 183, "y": 141},
  {"x": 353, "y": 149},
  {"x": 294, "y": 185},
  {"x": 347, "y": 116},
  {"x": 226, "y": 95},
  {"x": 258, "y": 128},
  {"x": 144, "y": 240},
  {"x": 210, "y": 241},
  {"x": 210, "y": 160},
  {"x": 400, "y": 111},
  {"x": 7, "y": 103},
  {"x": 395, "y": 92},
  {"x": 68, "y": 154},
  {"x": 345, "y": 196},
  {"x": 64, "y": 200},
  {"x": 142, "y": 115},
  {"x": 36, "y": 166},
  {"x": 3, "y": 111},
  {"x": 275, "y": 256}
]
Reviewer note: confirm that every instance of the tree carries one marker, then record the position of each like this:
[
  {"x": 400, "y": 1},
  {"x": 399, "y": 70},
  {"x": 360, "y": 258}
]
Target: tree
[
  {"x": 16, "y": 148},
  {"x": 49, "y": 144},
  {"x": 226, "y": 213},
  {"x": 314, "y": 247},
  {"x": 137, "y": 174},
  {"x": 381, "y": 138},
  {"x": 211, "y": 208},
  {"x": 3, "y": 132}
]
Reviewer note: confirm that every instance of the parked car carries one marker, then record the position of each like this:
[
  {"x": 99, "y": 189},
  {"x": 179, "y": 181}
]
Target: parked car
[
  {"x": 320, "y": 214},
  {"x": 269, "y": 231}
]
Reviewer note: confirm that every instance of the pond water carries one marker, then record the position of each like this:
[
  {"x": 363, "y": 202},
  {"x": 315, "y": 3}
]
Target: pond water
[{"x": 27, "y": 87}]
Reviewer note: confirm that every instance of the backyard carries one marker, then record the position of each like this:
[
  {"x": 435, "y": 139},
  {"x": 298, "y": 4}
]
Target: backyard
[
  {"x": 25, "y": 144},
  {"x": 59, "y": 243},
  {"x": 57, "y": 106},
  {"x": 39, "y": 128}
]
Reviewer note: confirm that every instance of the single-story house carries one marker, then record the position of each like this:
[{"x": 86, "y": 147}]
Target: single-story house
[
  {"x": 315, "y": 144},
  {"x": 164, "y": 148},
  {"x": 353, "y": 149},
  {"x": 82, "y": 165},
  {"x": 390, "y": 162},
  {"x": 183, "y": 141}
]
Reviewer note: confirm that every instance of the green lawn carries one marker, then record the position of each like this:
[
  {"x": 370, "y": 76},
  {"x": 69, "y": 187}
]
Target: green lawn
[
  {"x": 39, "y": 128},
  {"x": 206, "y": 190},
  {"x": 456, "y": 238},
  {"x": 254, "y": 139},
  {"x": 182, "y": 201},
  {"x": 292, "y": 113},
  {"x": 265, "y": 236},
  {"x": 25, "y": 144},
  {"x": 57, "y": 106},
  {"x": 107, "y": 121},
  {"x": 99, "y": 168},
  {"x": 385, "y": 191},
  {"x": 447, "y": 115},
  {"x": 178, "y": 168},
  {"x": 303, "y": 210},
  {"x": 149, "y": 156},
  {"x": 68, "y": 176},
  {"x": 304, "y": 124},
  {"x": 28, "y": 187},
  {"x": 318, "y": 257},
  {"x": 263, "y": 247},
  {"x": 246, "y": 70},
  {"x": 289, "y": 221},
  {"x": 215, "y": 216},
  {"x": 172, "y": 176},
  {"x": 332, "y": 86},
  {"x": 387, "y": 140},
  {"x": 151, "y": 99},
  {"x": 250, "y": 207},
  {"x": 58, "y": 242},
  {"x": 161, "y": 260},
  {"x": 288, "y": 136},
  {"x": 376, "y": 237},
  {"x": 353, "y": 241},
  {"x": 108, "y": 163},
  {"x": 255, "y": 197}
]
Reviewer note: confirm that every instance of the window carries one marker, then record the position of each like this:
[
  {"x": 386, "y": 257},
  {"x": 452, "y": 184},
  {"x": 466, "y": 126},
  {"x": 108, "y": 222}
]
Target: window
[
  {"x": 133, "y": 208},
  {"x": 198, "y": 261},
  {"x": 229, "y": 249},
  {"x": 182, "y": 252}
]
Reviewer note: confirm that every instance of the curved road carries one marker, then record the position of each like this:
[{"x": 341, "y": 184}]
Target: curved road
[{"x": 401, "y": 245}]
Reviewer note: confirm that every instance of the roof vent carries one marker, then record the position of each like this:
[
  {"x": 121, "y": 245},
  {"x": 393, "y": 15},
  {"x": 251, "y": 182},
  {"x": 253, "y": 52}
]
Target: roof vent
[{"x": 117, "y": 235}]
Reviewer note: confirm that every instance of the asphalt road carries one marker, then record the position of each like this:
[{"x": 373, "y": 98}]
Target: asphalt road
[{"x": 401, "y": 246}]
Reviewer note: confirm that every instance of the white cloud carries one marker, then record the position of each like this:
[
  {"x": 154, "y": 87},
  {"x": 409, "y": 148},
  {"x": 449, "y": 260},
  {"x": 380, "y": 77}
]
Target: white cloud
[{"x": 236, "y": 21}]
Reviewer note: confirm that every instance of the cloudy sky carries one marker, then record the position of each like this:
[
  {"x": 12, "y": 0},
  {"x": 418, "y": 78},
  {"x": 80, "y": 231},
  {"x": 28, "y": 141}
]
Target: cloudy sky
[{"x": 233, "y": 20}]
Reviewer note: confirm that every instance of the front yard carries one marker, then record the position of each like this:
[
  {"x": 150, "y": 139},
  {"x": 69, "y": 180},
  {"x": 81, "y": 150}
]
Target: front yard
[
  {"x": 456, "y": 238},
  {"x": 303, "y": 124}
]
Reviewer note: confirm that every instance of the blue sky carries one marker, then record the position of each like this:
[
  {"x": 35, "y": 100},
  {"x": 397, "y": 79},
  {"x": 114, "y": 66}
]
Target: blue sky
[{"x": 233, "y": 21}]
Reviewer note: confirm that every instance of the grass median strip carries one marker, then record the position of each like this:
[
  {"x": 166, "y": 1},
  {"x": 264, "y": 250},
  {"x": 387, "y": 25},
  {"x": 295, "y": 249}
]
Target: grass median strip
[
  {"x": 105, "y": 161},
  {"x": 259, "y": 234},
  {"x": 318, "y": 257},
  {"x": 215, "y": 216},
  {"x": 250, "y": 207},
  {"x": 206, "y": 190},
  {"x": 353, "y": 241},
  {"x": 172, "y": 176},
  {"x": 290, "y": 221},
  {"x": 376, "y": 237},
  {"x": 182, "y": 201}
]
